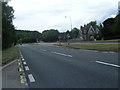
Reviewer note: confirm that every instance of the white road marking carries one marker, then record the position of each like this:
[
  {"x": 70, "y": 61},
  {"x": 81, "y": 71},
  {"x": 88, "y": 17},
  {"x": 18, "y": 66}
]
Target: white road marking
[
  {"x": 24, "y": 63},
  {"x": 27, "y": 68},
  {"x": 95, "y": 51},
  {"x": 109, "y": 64},
  {"x": 62, "y": 54},
  {"x": 104, "y": 52},
  {"x": 23, "y": 59},
  {"x": 31, "y": 78},
  {"x": 111, "y": 52},
  {"x": 43, "y": 50},
  {"x": 86, "y": 50}
]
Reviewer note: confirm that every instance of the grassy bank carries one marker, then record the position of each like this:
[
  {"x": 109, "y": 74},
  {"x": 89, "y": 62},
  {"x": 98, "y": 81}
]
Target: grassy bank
[
  {"x": 99, "y": 47},
  {"x": 98, "y": 41},
  {"x": 10, "y": 54}
]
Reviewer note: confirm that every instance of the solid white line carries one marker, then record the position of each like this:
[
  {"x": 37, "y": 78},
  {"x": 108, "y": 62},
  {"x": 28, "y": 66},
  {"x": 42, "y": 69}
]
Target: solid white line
[
  {"x": 109, "y": 64},
  {"x": 24, "y": 63},
  {"x": 27, "y": 68},
  {"x": 31, "y": 78},
  {"x": 8, "y": 64},
  {"x": 62, "y": 54}
]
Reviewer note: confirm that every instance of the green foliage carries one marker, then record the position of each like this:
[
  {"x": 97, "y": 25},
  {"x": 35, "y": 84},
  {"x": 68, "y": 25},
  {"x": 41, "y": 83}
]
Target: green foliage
[
  {"x": 24, "y": 36},
  {"x": 74, "y": 33},
  {"x": 111, "y": 28},
  {"x": 8, "y": 30},
  {"x": 92, "y": 23},
  {"x": 50, "y": 35}
]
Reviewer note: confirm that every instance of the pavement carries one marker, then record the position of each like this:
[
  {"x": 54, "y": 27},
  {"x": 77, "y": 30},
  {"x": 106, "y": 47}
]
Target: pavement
[
  {"x": 48, "y": 66},
  {"x": 11, "y": 76}
]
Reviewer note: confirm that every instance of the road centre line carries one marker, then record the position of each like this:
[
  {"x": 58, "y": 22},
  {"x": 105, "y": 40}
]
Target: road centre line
[
  {"x": 109, "y": 64},
  {"x": 27, "y": 68},
  {"x": 31, "y": 78},
  {"x": 104, "y": 52},
  {"x": 43, "y": 50},
  {"x": 62, "y": 54},
  {"x": 111, "y": 52}
]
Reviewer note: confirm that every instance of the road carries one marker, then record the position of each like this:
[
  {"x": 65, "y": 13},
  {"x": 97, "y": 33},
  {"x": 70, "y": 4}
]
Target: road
[{"x": 55, "y": 67}]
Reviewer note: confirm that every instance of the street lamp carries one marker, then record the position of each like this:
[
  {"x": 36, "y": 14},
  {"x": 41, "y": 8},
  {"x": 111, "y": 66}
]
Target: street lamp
[
  {"x": 70, "y": 21},
  {"x": 68, "y": 36}
]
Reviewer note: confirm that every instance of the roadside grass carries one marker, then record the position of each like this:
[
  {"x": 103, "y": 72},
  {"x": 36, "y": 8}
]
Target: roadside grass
[
  {"x": 10, "y": 54},
  {"x": 99, "y": 47},
  {"x": 98, "y": 41}
]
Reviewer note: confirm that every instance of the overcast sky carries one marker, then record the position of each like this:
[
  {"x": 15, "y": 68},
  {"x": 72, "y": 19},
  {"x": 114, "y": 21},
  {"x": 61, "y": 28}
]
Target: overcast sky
[{"x": 50, "y": 14}]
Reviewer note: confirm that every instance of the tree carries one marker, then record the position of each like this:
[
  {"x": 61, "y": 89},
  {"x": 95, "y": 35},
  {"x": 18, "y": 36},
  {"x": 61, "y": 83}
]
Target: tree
[
  {"x": 50, "y": 35},
  {"x": 74, "y": 33},
  {"x": 108, "y": 28},
  {"x": 117, "y": 26},
  {"x": 8, "y": 30}
]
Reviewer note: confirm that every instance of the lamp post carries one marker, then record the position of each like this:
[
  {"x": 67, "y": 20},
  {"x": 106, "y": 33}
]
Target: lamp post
[
  {"x": 70, "y": 21},
  {"x": 68, "y": 36}
]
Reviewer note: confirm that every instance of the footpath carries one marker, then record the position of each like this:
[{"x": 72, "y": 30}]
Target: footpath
[{"x": 11, "y": 76}]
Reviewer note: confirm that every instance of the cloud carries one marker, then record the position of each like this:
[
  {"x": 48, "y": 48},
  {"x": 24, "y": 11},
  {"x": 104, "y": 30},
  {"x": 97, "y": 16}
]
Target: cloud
[{"x": 46, "y": 14}]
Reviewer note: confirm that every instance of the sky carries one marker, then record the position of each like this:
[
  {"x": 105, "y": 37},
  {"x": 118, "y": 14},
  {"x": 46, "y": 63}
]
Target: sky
[{"x": 41, "y": 15}]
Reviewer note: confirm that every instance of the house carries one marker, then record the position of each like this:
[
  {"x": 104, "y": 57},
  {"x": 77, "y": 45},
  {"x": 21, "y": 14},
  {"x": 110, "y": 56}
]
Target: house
[{"x": 88, "y": 32}]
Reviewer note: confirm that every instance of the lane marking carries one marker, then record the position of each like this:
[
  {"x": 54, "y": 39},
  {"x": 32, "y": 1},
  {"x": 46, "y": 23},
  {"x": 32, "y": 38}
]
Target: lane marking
[
  {"x": 109, "y": 64},
  {"x": 111, "y": 52},
  {"x": 95, "y": 51},
  {"x": 7, "y": 64},
  {"x": 104, "y": 52},
  {"x": 43, "y": 50},
  {"x": 31, "y": 78},
  {"x": 23, "y": 59},
  {"x": 62, "y": 54},
  {"x": 24, "y": 63},
  {"x": 27, "y": 68}
]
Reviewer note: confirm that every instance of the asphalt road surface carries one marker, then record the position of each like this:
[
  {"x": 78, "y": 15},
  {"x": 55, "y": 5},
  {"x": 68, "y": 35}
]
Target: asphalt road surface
[{"x": 54, "y": 67}]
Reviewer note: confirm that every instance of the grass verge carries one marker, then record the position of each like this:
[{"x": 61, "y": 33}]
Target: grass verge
[
  {"x": 98, "y": 41},
  {"x": 99, "y": 47},
  {"x": 10, "y": 54}
]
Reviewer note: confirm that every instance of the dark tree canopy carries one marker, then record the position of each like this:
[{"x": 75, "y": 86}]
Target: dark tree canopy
[
  {"x": 50, "y": 35},
  {"x": 27, "y": 36},
  {"x": 8, "y": 30}
]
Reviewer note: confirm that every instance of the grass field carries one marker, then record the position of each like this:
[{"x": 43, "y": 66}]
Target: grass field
[
  {"x": 99, "y": 47},
  {"x": 10, "y": 54}
]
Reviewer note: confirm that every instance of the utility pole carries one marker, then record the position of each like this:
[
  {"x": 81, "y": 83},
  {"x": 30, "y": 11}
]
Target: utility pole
[{"x": 68, "y": 36}]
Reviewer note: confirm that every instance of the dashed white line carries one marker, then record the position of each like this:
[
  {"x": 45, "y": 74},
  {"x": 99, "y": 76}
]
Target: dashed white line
[
  {"x": 31, "y": 78},
  {"x": 24, "y": 63},
  {"x": 62, "y": 54},
  {"x": 27, "y": 68},
  {"x": 95, "y": 51},
  {"x": 104, "y": 52},
  {"x": 109, "y": 64},
  {"x": 43, "y": 50},
  {"x": 111, "y": 52}
]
